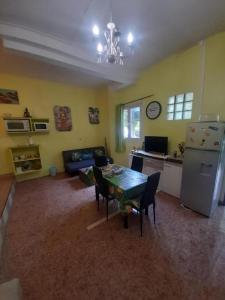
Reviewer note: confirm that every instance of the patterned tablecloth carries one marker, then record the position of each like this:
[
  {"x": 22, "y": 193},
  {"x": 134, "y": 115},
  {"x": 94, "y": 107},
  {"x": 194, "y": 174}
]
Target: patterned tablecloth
[{"x": 128, "y": 184}]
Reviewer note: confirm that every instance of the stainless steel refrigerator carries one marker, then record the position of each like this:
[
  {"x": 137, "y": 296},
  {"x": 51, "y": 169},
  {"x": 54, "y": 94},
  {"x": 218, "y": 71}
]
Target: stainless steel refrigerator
[{"x": 203, "y": 168}]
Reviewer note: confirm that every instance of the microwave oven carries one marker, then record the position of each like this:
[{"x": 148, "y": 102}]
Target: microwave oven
[
  {"x": 17, "y": 125},
  {"x": 41, "y": 126}
]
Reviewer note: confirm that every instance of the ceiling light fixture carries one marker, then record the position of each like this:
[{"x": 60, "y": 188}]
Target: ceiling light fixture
[{"x": 109, "y": 51}]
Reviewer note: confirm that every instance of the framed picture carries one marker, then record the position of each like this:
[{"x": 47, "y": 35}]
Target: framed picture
[
  {"x": 63, "y": 121},
  {"x": 93, "y": 113},
  {"x": 8, "y": 97}
]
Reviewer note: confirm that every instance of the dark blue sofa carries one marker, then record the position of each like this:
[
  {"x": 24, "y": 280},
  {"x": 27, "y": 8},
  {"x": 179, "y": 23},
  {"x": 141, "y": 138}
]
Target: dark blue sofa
[{"x": 76, "y": 159}]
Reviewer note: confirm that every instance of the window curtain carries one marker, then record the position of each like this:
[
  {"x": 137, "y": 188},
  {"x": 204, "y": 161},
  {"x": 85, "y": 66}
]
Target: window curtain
[{"x": 120, "y": 142}]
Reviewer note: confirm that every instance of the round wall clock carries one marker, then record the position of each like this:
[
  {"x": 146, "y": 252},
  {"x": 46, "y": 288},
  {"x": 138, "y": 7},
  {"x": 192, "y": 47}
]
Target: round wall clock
[{"x": 153, "y": 110}]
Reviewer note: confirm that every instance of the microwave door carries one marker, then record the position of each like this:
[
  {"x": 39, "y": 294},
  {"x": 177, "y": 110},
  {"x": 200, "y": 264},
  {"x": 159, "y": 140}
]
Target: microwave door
[
  {"x": 15, "y": 126},
  {"x": 40, "y": 126}
]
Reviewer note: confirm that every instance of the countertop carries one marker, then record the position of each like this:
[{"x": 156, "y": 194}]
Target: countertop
[{"x": 168, "y": 158}]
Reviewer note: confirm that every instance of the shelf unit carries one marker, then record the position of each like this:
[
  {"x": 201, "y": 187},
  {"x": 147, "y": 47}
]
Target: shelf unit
[
  {"x": 31, "y": 129},
  {"x": 25, "y": 159}
]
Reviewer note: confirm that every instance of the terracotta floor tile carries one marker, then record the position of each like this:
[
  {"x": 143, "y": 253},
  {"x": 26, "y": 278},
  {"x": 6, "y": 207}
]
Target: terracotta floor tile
[{"x": 49, "y": 249}]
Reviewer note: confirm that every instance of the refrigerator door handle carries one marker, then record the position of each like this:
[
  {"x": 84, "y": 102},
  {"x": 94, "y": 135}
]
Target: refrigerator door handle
[{"x": 206, "y": 165}]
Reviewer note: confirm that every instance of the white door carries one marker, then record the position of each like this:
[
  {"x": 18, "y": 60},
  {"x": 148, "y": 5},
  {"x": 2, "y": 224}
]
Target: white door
[{"x": 171, "y": 180}]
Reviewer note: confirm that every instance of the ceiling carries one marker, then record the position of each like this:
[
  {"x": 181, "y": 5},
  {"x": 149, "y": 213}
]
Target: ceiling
[{"x": 58, "y": 33}]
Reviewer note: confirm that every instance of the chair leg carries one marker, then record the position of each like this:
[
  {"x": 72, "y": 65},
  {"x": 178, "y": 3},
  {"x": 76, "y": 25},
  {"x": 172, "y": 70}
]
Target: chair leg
[
  {"x": 107, "y": 209},
  {"x": 141, "y": 221},
  {"x": 97, "y": 195},
  {"x": 125, "y": 221},
  {"x": 154, "y": 211}
]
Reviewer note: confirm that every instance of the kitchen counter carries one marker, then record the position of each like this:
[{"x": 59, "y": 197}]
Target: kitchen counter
[
  {"x": 178, "y": 160},
  {"x": 169, "y": 167}
]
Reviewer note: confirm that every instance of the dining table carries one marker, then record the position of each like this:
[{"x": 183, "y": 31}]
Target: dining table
[{"x": 127, "y": 184}]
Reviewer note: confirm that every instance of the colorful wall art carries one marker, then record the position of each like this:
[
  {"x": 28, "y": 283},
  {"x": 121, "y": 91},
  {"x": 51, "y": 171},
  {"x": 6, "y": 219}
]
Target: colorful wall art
[
  {"x": 8, "y": 97},
  {"x": 63, "y": 121},
  {"x": 93, "y": 113}
]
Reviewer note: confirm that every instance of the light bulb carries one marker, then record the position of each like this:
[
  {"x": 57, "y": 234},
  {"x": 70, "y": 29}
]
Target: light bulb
[
  {"x": 130, "y": 38},
  {"x": 95, "y": 30},
  {"x": 99, "y": 48}
]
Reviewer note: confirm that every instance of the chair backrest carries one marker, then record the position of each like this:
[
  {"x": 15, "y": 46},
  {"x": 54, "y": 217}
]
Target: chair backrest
[
  {"x": 137, "y": 163},
  {"x": 150, "y": 190},
  {"x": 101, "y": 161},
  {"x": 101, "y": 183}
]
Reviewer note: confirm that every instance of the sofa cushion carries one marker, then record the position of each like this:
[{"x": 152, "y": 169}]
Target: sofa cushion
[
  {"x": 72, "y": 167},
  {"x": 99, "y": 152},
  {"x": 76, "y": 156},
  {"x": 87, "y": 155}
]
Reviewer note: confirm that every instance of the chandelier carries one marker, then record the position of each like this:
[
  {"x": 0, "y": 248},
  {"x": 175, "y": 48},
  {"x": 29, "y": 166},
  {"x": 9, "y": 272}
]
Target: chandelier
[{"x": 108, "y": 44}]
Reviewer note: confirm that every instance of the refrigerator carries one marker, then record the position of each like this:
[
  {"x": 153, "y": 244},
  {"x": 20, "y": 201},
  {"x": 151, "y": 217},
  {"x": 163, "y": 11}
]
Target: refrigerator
[{"x": 203, "y": 167}]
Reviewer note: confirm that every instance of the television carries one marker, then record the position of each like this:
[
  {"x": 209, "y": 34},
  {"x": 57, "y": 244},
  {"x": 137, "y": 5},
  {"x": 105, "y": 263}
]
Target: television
[{"x": 156, "y": 144}]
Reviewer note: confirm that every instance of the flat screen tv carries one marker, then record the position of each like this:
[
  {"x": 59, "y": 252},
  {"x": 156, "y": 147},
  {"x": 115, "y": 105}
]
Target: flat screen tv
[{"x": 156, "y": 144}]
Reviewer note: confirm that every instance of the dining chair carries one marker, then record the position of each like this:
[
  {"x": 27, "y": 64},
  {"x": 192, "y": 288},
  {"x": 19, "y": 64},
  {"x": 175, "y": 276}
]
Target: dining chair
[
  {"x": 101, "y": 187},
  {"x": 137, "y": 163},
  {"x": 147, "y": 198},
  {"x": 101, "y": 161}
]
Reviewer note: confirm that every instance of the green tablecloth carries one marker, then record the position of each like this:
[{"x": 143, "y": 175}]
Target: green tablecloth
[{"x": 129, "y": 184}]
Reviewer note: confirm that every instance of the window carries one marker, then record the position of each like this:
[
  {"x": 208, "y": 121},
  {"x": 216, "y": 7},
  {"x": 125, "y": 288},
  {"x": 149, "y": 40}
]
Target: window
[
  {"x": 180, "y": 107},
  {"x": 131, "y": 122}
]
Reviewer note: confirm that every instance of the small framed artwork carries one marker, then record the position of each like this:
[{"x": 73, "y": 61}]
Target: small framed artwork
[
  {"x": 63, "y": 121},
  {"x": 8, "y": 97},
  {"x": 93, "y": 113}
]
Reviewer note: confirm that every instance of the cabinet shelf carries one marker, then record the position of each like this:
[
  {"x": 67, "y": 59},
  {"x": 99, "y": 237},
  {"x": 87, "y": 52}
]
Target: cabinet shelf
[
  {"x": 26, "y": 172},
  {"x": 28, "y": 132},
  {"x": 25, "y": 165},
  {"x": 26, "y": 126},
  {"x": 27, "y": 159}
]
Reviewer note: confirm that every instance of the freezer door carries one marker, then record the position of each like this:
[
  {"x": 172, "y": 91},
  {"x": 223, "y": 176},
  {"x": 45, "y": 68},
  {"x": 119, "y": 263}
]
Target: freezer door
[
  {"x": 199, "y": 175},
  {"x": 205, "y": 135}
]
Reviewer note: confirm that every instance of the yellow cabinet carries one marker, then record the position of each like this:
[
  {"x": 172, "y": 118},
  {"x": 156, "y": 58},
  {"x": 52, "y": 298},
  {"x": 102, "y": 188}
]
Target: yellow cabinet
[{"x": 26, "y": 159}]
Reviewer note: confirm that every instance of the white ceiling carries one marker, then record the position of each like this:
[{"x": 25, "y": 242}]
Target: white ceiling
[
  {"x": 16, "y": 63},
  {"x": 59, "y": 32}
]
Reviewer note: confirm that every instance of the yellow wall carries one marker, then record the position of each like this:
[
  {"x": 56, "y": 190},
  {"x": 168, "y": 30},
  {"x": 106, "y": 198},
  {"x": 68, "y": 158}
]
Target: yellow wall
[
  {"x": 40, "y": 97},
  {"x": 214, "y": 94},
  {"x": 182, "y": 72},
  {"x": 177, "y": 74}
]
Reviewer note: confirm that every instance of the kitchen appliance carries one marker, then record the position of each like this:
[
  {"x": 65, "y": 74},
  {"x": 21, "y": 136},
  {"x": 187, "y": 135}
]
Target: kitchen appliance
[
  {"x": 17, "y": 125},
  {"x": 156, "y": 144},
  {"x": 41, "y": 126},
  {"x": 203, "y": 167}
]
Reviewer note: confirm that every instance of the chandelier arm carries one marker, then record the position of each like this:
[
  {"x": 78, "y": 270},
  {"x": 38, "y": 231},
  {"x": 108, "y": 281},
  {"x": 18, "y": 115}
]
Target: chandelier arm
[{"x": 111, "y": 50}]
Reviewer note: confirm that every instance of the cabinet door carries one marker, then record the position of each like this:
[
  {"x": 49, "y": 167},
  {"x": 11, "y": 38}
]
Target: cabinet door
[
  {"x": 149, "y": 171},
  {"x": 171, "y": 181}
]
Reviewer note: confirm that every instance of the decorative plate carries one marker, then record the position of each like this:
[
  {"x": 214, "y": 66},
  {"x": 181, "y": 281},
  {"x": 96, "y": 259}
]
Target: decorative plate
[{"x": 153, "y": 110}]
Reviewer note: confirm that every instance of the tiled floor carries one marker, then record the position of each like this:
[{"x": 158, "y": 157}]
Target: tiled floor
[{"x": 49, "y": 248}]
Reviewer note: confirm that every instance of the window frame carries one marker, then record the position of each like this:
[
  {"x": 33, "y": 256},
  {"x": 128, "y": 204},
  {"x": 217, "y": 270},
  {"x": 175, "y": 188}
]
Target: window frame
[
  {"x": 129, "y": 107},
  {"x": 183, "y": 111}
]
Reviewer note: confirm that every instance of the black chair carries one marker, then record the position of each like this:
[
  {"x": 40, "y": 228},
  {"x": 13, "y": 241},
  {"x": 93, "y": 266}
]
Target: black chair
[
  {"x": 101, "y": 161},
  {"x": 147, "y": 197},
  {"x": 137, "y": 163},
  {"x": 101, "y": 187}
]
